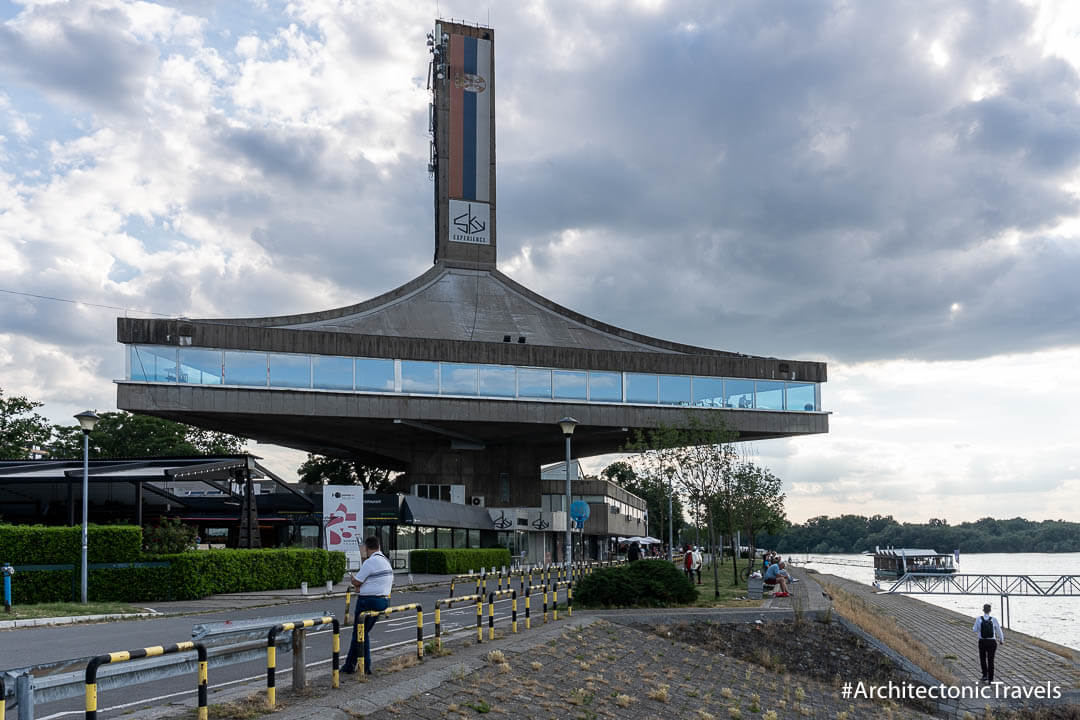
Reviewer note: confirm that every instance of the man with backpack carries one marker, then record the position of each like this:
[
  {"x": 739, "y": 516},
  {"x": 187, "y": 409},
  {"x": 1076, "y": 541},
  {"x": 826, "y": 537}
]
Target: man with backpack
[{"x": 988, "y": 630}]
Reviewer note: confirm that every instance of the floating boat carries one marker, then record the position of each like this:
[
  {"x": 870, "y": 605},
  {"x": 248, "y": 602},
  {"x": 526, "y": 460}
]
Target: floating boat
[{"x": 893, "y": 563}]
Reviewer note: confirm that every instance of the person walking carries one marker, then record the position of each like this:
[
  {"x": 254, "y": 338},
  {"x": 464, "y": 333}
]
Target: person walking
[
  {"x": 695, "y": 564},
  {"x": 988, "y": 630},
  {"x": 372, "y": 584}
]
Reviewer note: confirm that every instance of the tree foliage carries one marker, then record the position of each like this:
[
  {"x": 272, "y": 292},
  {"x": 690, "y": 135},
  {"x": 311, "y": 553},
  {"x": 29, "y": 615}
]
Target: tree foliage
[
  {"x": 123, "y": 434},
  {"x": 21, "y": 429},
  {"x": 858, "y": 533},
  {"x": 654, "y": 492},
  {"x": 322, "y": 470},
  {"x": 760, "y": 501}
]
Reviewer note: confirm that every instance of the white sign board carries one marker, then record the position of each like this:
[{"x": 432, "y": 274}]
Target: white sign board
[
  {"x": 470, "y": 222},
  {"x": 343, "y": 520}
]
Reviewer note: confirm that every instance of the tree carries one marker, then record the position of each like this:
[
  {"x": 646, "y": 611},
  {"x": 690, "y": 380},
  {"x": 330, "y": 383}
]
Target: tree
[
  {"x": 322, "y": 470},
  {"x": 760, "y": 501},
  {"x": 21, "y": 429},
  {"x": 698, "y": 459},
  {"x": 653, "y": 491},
  {"x": 124, "y": 435}
]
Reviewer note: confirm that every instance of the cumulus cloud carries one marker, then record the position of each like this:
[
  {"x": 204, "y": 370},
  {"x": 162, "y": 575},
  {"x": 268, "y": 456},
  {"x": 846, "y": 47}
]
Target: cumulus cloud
[{"x": 850, "y": 182}]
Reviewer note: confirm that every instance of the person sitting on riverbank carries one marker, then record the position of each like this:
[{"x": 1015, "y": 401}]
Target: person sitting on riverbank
[{"x": 776, "y": 575}]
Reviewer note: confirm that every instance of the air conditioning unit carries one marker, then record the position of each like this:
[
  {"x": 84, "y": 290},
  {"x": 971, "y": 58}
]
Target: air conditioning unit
[{"x": 477, "y": 500}]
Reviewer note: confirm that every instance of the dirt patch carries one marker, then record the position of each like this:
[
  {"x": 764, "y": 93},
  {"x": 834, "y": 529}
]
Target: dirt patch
[{"x": 810, "y": 649}]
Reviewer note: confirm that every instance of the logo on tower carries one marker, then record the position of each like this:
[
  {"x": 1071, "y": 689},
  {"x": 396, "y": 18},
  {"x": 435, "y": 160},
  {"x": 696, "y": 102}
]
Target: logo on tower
[{"x": 469, "y": 222}]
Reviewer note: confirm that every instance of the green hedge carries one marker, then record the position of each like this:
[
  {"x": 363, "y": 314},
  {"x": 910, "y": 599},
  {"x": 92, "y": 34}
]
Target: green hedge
[
  {"x": 45, "y": 545},
  {"x": 188, "y": 576},
  {"x": 653, "y": 583},
  {"x": 454, "y": 562}
]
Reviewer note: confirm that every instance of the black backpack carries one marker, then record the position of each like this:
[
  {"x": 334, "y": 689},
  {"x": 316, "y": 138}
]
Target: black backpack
[{"x": 986, "y": 630}]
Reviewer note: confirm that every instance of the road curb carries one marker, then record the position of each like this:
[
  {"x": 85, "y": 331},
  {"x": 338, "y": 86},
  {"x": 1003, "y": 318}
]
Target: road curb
[{"x": 70, "y": 620}]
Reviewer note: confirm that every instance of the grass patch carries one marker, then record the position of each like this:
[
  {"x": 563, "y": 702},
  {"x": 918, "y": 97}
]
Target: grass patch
[
  {"x": 730, "y": 595},
  {"x": 887, "y": 630},
  {"x": 50, "y": 610},
  {"x": 247, "y": 708},
  {"x": 1050, "y": 647}
]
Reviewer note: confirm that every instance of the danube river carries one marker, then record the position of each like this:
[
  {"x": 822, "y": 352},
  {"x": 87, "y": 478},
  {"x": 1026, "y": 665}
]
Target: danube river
[{"x": 1051, "y": 618}]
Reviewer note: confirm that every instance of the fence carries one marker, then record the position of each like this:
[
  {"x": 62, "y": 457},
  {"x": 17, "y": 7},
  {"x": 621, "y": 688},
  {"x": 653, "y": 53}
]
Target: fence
[
  {"x": 491, "y": 610},
  {"x": 448, "y": 602},
  {"x": 125, "y": 655},
  {"x": 389, "y": 611},
  {"x": 271, "y": 652}
]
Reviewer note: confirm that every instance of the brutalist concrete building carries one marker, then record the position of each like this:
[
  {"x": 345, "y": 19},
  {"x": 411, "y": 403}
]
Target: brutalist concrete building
[{"x": 458, "y": 376}]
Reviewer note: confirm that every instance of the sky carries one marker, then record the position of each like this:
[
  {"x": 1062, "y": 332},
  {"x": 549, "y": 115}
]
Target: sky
[{"x": 891, "y": 188}]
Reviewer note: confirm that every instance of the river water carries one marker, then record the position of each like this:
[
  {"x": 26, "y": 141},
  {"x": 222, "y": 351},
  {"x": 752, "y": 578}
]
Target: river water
[{"x": 1050, "y": 618}]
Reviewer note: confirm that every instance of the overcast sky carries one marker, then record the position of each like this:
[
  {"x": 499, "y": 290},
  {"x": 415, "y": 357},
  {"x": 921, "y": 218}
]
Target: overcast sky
[{"x": 887, "y": 187}]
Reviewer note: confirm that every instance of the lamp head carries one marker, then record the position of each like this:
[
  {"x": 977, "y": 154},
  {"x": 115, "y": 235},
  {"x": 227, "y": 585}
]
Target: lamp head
[
  {"x": 568, "y": 424},
  {"x": 87, "y": 420}
]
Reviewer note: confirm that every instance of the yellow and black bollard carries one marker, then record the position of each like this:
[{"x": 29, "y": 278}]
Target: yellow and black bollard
[
  {"x": 419, "y": 633},
  {"x": 348, "y": 604},
  {"x": 124, "y": 656},
  {"x": 479, "y": 618},
  {"x": 390, "y": 611},
  {"x": 271, "y": 652},
  {"x": 3, "y": 697},
  {"x": 491, "y": 610},
  {"x": 448, "y": 602}
]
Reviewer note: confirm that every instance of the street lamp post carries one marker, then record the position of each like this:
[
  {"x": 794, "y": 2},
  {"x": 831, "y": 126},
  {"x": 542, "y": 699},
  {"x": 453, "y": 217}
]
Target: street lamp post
[
  {"x": 87, "y": 420},
  {"x": 671, "y": 521},
  {"x": 568, "y": 424}
]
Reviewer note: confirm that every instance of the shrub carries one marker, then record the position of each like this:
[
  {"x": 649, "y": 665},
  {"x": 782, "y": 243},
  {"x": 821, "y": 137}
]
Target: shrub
[
  {"x": 459, "y": 560},
  {"x": 45, "y": 545},
  {"x": 655, "y": 583},
  {"x": 184, "y": 576},
  {"x": 170, "y": 537}
]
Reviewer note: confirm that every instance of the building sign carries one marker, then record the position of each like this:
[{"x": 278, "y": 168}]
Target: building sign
[
  {"x": 343, "y": 520},
  {"x": 470, "y": 222},
  {"x": 381, "y": 507},
  {"x": 470, "y": 118}
]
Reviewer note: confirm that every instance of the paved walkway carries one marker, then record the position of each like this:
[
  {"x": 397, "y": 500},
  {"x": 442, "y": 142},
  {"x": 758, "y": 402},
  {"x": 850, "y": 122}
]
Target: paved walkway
[{"x": 1022, "y": 660}]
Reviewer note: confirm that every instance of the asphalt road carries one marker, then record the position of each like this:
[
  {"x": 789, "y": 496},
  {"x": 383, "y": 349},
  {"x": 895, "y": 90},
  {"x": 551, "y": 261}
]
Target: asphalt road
[{"x": 34, "y": 646}]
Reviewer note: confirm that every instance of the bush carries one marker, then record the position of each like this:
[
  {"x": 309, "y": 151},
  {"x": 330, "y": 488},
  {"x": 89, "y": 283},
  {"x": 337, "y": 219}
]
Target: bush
[
  {"x": 184, "y": 576},
  {"x": 44, "y": 545},
  {"x": 457, "y": 561},
  {"x": 653, "y": 583},
  {"x": 170, "y": 537}
]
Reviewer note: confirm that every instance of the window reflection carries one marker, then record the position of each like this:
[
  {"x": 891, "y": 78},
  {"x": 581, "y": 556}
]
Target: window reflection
[
  {"x": 375, "y": 374},
  {"x": 769, "y": 395},
  {"x": 605, "y": 386},
  {"x": 245, "y": 368},
  {"x": 459, "y": 379},
  {"x": 675, "y": 390},
  {"x": 708, "y": 392},
  {"x": 332, "y": 373},
  {"x": 200, "y": 366},
  {"x": 419, "y": 377},
  {"x": 569, "y": 385},
  {"x": 152, "y": 364},
  {"x": 534, "y": 383},
  {"x": 739, "y": 394},
  {"x": 498, "y": 381},
  {"x": 641, "y": 388},
  {"x": 800, "y": 396},
  {"x": 290, "y": 371}
]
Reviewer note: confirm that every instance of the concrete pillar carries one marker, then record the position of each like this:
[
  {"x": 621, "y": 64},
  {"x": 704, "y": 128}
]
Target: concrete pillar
[{"x": 299, "y": 660}]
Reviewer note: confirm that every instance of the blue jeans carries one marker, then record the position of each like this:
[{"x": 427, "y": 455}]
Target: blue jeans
[{"x": 363, "y": 604}]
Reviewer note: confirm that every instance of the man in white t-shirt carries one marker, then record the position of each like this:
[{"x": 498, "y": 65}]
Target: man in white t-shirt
[{"x": 372, "y": 585}]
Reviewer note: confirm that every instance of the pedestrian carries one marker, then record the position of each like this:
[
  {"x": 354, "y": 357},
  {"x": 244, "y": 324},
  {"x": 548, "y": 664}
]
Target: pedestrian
[
  {"x": 634, "y": 553},
  {"x": 695, "y": 564},
  {"x": 688, "y": 562},
  {"x": 372, "y": 584},
  {"x": 988, "y": 630}
]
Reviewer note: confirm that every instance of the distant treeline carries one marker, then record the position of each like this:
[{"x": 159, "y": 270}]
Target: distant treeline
[{"x": 856, "y": 533}]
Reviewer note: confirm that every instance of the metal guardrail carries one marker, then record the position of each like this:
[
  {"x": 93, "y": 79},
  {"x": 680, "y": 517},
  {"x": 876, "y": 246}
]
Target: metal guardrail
[
  {"x": 271, "y": 653},
  {"x": 389, "y": 611},
  {"x": 147, "y": 652},
  {"x": 491, "y": 610},
  {"x": 227, "y": 643},
  {"x": 448, "y": 602},
  {"x": 555, "y": 598}
]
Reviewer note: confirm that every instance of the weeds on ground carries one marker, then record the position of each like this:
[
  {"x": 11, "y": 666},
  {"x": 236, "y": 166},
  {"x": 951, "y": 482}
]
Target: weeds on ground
[{"x": 247, "y": 708}]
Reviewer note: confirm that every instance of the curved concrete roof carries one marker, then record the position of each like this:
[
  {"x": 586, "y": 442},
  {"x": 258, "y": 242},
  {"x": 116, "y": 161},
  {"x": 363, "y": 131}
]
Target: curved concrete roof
[{"x": 483, "y": 305}]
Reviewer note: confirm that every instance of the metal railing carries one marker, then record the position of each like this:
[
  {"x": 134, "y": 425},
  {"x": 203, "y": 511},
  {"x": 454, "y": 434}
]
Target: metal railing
[
  {"x": 389, "y": 611},
  {"x": 491, "y": 610},
  {"x": 555, "y": 599},
  {"x": 148, "y": 652},
  {"x": 972, "y": 584},
  {"x": 271, "y": 652},
  {"x": 448, "y": 602}
]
